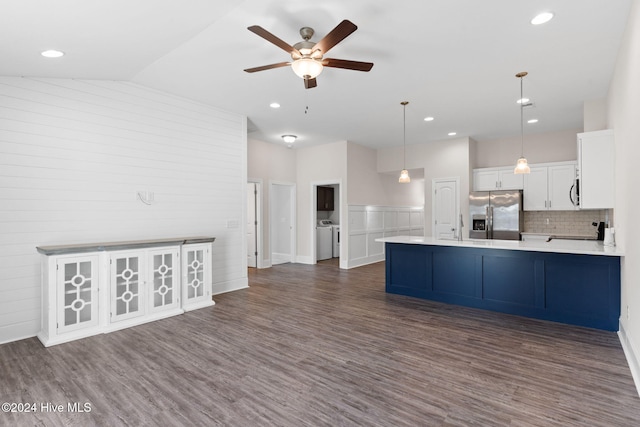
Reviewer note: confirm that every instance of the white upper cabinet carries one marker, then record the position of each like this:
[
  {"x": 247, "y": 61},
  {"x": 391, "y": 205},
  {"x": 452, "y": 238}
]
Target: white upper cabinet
[
  {"x": 596, "y": 169},
  {"x": 535, "y": 193},
  {"x": 490, "y": 179},
  {"x": 550, "y": 187},
  {"x": 562, "y": 179}
]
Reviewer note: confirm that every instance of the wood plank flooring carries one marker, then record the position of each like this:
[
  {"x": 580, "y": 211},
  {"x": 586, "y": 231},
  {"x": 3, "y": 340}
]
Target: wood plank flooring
[{"x": 318, "y": 346}]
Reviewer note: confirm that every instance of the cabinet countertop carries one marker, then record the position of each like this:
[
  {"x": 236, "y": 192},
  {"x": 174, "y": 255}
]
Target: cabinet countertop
[
  {"x": 118, "y": 246},
  {"x": 578, "y": 247}
]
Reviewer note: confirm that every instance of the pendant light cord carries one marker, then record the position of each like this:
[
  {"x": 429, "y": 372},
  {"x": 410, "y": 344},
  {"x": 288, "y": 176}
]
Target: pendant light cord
[
  {"x": 404, "y": 135},
  {"x": 521, "y": 119}
]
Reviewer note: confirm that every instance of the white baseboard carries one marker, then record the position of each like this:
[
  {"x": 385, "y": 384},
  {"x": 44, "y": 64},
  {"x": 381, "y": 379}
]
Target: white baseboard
[
  {"x": 230, "y": 285},
  {"x": 305, "y": 260},
  {"x": 631, "y": 356},
  {"x": 277, "y": 258},
  {"x": 365, "y": 261}
]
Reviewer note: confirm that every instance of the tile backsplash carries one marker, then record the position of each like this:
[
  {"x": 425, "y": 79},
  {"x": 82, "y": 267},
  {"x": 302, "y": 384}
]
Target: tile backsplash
[{"x": 563, "y": 222}]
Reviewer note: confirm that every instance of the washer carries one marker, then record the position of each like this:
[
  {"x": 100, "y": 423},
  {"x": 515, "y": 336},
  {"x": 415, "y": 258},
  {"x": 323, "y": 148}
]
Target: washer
[{"x": 324, "y": 240}]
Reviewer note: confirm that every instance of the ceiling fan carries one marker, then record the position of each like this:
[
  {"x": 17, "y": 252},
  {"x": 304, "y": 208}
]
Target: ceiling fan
[{"x": 307, "y": 56}]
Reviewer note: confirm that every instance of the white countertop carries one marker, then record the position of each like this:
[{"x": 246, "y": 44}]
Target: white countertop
[{"x": 580, "y": 247}]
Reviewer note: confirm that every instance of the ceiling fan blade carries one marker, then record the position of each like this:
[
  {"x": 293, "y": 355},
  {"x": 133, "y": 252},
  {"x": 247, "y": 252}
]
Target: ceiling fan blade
[
  {"x": 267, "y": 67},
  {"x": 256, "y": 29},
  {"x": 310, "y": 83},
  {"x": 349, "y": 65},
  {"x": 335, "y": 36}
]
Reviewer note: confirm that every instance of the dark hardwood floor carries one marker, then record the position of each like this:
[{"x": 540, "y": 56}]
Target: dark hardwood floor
[{"x": 318, "y": 346}]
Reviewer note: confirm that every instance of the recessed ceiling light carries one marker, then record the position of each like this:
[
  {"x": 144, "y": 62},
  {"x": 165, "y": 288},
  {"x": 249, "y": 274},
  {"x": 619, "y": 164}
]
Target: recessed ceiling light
[
  {"x": 542, "y": 18},
  {"x": 274, "y": 105},
  {"x": 451, "y": 133},
  {"x": 523, "y": 100},
  {"x": 428, "y": 119},
  {"x": 532, "y": 121},
  {"x": 52, "y": 53}
]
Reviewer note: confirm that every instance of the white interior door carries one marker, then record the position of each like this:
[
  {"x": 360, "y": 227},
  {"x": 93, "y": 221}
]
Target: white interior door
[
  {"x": 282, "y": 219},
  {"x": 445, "y": 201},
  {"x": 252, "y": 235}
]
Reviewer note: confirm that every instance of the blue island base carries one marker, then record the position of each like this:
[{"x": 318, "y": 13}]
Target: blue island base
[{"x": 575, "y": 289}]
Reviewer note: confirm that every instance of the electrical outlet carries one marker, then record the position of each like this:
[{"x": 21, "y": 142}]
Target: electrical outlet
[{"x": 628, "y": 314}]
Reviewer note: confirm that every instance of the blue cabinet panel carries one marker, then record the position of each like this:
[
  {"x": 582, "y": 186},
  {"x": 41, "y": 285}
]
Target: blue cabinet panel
[
  {"x": 509, "y": 279},
  {"x": 410, "y": 270},
  {"x": 580, "y": 287},
  {"x": 576, "y": 289},
  {"x": 454, "y": 273}
]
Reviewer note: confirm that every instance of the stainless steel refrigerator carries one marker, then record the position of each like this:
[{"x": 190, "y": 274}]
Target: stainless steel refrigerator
[{"x": 496, "y": 215}]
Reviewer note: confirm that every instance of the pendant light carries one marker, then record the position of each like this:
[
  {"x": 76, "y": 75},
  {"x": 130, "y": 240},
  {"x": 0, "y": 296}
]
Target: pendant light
[
  {"x": 522, "y": 166},
  {"x": 404, "y": 175}
]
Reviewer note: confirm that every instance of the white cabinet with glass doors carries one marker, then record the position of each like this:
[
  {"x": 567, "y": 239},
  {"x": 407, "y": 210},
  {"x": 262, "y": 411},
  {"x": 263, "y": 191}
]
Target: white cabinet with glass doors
[{"x": 92, "y": 289}]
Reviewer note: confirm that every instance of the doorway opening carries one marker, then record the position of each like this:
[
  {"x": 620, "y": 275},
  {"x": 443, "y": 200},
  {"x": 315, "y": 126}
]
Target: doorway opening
[{"x": 326, "y": 222}]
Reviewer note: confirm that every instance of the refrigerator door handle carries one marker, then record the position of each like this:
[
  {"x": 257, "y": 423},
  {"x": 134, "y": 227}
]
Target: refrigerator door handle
[{"x": 490, "y": 222}]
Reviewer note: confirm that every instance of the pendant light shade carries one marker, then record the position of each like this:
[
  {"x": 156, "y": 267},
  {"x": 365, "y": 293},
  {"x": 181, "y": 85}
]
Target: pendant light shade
[
  {"x": 404, "y": 175},
  {"x": 522, "y": 166}
]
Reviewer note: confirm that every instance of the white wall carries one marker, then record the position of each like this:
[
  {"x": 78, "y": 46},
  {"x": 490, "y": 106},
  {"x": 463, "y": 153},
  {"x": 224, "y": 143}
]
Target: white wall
[
  {"x": 323, "y": 164},
  {"x": 538, "y": 148},
  {"x": 266, "y": 163},
  {"x": 369, "y": 187},
  {"x": 624, "y": 110},
  {"x": 594, "y": 115},
  {"x": 73, "y": 153},
  {"x": 440, "y": 159}
]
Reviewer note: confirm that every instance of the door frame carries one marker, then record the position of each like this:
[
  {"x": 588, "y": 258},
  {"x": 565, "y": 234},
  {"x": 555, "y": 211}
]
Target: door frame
[
  {"x": 435, "y": 181},
  {"x": 314, "y": 218},
  {"x": 259, "y": 219},
  {"x": 293, "y": 236}
]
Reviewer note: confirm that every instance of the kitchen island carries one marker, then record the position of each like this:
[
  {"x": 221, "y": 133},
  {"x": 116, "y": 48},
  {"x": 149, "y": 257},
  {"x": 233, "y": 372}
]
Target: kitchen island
[{"x": 574, "y": 282}]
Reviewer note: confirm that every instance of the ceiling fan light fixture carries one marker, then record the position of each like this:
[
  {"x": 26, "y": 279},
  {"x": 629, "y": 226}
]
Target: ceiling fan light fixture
[{"x": 307, "y": 68}]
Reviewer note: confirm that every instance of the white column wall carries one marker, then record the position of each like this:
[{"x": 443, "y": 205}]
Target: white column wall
[{"x": 623, "y": 113}]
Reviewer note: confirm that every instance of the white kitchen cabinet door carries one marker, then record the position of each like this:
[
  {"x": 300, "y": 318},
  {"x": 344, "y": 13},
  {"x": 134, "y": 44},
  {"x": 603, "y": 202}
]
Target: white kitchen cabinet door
[
  {"x": 596, "y": 163},
  {"x": 127, "y": 285},
  {"x": 164, "y": 278},
  {"x": 77, "y": 287},
  {"x": 491, "y": 179},
  {"x": 535, "y": 189},
  {"x": 561, "y": 179},
  {"x": 509, "y": 180},
  {"x": 486, "y": 179}
]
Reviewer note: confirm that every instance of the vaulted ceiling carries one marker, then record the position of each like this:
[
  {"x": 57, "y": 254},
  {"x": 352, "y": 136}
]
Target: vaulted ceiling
[{"x": 454, "y": 60}]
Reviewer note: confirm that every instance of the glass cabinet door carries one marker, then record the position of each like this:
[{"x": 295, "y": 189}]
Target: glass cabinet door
[
  {"x": 165, "y": 279},
  {"x": 127, "y": 294},
  {"x": 77, "y": 286},
  {"x": 196, "y": 269}
]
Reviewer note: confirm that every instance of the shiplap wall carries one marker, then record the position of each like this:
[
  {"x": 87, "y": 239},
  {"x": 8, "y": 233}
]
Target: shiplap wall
[{"x": 74, "y": 153}]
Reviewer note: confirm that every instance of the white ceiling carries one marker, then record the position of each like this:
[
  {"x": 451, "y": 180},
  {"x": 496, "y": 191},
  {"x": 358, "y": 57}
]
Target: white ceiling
[{"x": 455, "y": 60}]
